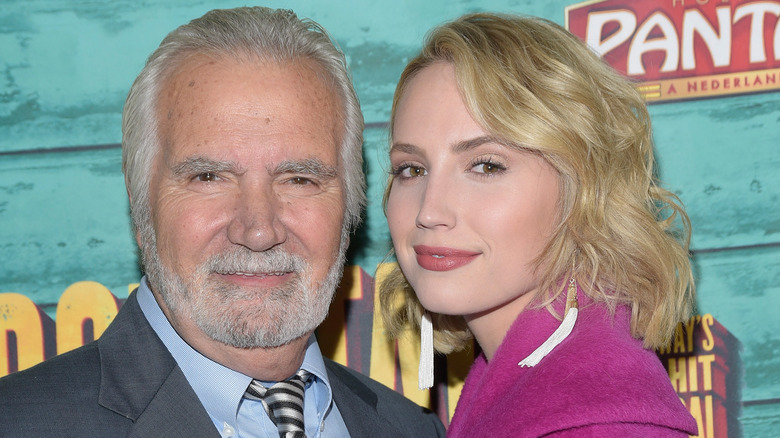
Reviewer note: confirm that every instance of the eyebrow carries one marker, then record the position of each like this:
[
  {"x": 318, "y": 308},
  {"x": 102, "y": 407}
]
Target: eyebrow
[
  {"x": 309, "y": 166},
  {"x": 199, "y": 164},
  {"x": 461, "y": 146},
  {"x": 467, "y": 145}
]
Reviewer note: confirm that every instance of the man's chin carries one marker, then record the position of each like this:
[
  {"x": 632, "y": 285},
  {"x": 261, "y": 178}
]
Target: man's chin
[
  {"x": 256, "y": 322},
  {"x": 262, "y": 340}
]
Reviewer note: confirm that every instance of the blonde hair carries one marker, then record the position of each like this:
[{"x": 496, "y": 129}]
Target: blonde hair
[{"x": 622, "y": 237}]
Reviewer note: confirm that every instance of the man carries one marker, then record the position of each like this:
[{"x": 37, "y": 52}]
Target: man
[{"x": 241, "y": 151}]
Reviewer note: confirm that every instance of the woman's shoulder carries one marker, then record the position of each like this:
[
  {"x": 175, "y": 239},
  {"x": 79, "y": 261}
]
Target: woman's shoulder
[
  {"x": 602, "y": 375},
  {"x": 598, "y": 377},
  {"x": 601, "y": 359}
]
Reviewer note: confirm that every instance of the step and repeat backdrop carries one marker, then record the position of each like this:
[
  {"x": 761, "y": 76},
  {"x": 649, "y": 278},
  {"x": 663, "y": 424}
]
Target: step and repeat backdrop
[{"x": 710, "y": 70}]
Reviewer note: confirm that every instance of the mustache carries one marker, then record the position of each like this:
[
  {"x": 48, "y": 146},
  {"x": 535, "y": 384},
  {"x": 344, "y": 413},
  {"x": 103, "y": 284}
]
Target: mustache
[{"x": 274, "y": 260}]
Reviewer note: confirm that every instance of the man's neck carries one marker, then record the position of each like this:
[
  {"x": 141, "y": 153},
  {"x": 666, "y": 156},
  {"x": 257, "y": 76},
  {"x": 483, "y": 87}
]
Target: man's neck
[{"x": 266, "y": 364}]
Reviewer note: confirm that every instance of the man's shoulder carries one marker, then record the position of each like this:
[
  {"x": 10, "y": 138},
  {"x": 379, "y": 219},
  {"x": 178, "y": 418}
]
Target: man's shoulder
[
  {"x": 85, "y": 392},
  {"x": 59, "y": 394},
  {"x": 65, "y": 375},
  {"x": 75, "y": 372}
]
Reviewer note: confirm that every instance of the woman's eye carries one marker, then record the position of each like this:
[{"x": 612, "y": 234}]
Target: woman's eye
[
  {"x": 488, "y": 168},
  {"x": 408, "y": 171},
  {"x": 413, "y": 171}
]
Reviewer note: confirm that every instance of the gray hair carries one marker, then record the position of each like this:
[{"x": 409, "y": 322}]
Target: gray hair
[{"x": 274, "y": 35}]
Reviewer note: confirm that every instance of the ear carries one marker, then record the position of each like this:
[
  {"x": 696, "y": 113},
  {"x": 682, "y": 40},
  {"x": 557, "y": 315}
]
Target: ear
[
  {"x": 130, "y": 201},
  {"x": 127, "y": 188},
  {"x": 138, "y": 238}
]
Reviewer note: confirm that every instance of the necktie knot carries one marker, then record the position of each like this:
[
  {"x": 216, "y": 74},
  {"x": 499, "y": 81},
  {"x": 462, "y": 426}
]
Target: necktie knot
[{"x": 283, "y": 402}]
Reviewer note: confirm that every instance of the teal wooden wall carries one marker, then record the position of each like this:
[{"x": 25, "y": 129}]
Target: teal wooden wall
[{"x": 66, "y": 67}]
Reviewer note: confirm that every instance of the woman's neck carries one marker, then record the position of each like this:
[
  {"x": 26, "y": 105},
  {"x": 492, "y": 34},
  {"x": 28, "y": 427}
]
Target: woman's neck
[{"x": 491, "y": 326}]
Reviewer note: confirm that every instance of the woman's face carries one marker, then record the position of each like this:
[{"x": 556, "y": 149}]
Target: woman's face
[{"x": 467, "y": 215}]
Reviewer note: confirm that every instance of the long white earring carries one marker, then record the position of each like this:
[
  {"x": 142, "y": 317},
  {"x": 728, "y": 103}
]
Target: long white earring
[
  {"x": 425, "y": 372},
  {"x": 560, "y": 333}
]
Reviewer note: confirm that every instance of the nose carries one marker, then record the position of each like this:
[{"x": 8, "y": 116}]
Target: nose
[
  {"x": 437, "y": 208},
  {"x": 257, "y": 219}
]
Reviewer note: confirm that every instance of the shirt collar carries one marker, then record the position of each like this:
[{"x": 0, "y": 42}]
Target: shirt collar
[{"x": 219, "y": 388}]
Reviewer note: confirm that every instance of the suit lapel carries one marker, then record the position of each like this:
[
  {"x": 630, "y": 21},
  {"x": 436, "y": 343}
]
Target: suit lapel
[
  {"x": 357, "y": 405},
  {"x": 175, "y": 411},
  {"x": 141, "y": 381}
]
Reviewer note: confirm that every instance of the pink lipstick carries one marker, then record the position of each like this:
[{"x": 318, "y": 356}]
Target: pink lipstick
[{"x": 436, "y": 258}]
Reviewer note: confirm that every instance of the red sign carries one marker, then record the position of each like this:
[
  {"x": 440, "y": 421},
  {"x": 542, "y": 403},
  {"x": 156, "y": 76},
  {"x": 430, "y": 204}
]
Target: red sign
[
  {"x": 685, "y": 49},
  {"x": 703, "y": 364}
]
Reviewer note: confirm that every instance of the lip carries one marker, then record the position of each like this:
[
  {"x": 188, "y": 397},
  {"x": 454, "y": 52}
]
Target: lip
[
  {"x": 257, "y": 279},
  {"x": 440, "y": 258}
]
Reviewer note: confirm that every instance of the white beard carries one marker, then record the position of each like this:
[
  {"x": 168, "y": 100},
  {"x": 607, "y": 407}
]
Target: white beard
[{"x": 287, "y": 312}]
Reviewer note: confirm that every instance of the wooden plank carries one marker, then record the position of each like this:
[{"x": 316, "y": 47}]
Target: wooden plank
[
  {"x": 740, "y": 289},
  {"x": 720, "y": 156},
  {"x": 759, "y": 420},
  {"x": 64, "y": 219}
]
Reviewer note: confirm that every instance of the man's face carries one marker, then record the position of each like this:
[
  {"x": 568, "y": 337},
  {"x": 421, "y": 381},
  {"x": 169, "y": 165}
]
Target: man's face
[{"x": 246, "y": 240}]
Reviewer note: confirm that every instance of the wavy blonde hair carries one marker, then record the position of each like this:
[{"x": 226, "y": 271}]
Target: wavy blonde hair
[{"x": 620, "y": 235}]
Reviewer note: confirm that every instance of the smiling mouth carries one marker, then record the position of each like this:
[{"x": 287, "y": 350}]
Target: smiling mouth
[
  {"x": 256, "y": 274},
  {"x": 256, "y": 279},
  {"x": 442, "y": 258}
]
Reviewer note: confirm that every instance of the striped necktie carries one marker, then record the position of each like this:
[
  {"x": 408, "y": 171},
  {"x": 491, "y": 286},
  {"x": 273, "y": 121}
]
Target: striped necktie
[{"x": 284, "y": 403}]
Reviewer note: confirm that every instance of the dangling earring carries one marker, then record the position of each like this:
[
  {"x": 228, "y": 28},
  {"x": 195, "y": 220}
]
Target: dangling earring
[
  {"x": 425, "y": 372},
  {"x": 561, "y": 332}
]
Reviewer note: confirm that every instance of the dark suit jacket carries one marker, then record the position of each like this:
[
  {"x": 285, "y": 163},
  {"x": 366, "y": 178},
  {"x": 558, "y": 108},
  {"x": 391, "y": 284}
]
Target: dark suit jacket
[{"x": 127, "y": 384}]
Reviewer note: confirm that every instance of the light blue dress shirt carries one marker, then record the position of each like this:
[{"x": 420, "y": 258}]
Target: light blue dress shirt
[{"x": 221, "y": 390}]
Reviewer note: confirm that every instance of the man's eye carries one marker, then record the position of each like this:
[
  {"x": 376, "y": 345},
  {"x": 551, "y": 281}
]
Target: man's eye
[
  {"x": 300, "y": 180},
  {"x": 207, "y": 177}
]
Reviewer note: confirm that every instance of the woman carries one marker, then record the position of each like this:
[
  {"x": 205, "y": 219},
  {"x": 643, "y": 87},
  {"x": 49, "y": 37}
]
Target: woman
[{"x": 524, "y": 211}]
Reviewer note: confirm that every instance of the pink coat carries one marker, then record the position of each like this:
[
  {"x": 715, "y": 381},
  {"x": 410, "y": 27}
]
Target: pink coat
[{"x": 599, "y": 382}]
